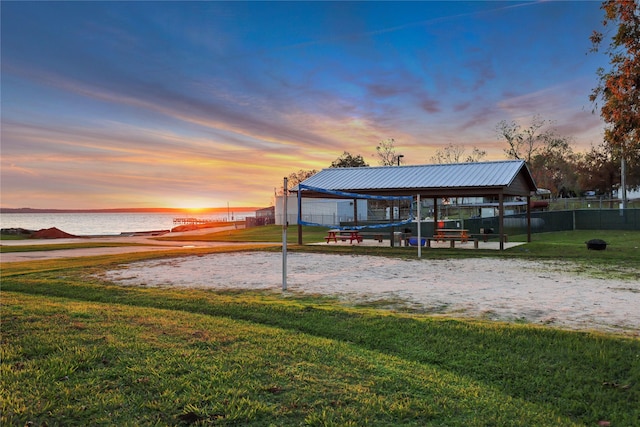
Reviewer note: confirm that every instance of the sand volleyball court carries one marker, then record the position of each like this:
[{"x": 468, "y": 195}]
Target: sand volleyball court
[{"x": 546, "y": 293}]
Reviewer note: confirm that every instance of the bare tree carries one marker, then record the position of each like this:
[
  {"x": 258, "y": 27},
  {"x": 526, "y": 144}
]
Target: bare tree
[
  {"x": 297, "y": 177},
  {"x": 455, "y": 154},
  {"x": 524, "y": 144},
  {"x": 386, "y": 152}
]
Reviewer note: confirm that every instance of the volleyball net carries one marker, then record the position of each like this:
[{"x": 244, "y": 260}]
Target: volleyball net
[{"x": 355, "y": 196}]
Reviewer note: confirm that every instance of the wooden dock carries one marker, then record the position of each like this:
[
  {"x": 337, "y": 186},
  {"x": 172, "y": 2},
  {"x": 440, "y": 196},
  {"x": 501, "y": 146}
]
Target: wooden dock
[{"x": 192, "y": 221}]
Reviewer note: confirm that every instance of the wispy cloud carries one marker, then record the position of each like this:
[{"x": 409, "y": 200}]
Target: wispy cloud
[{"x": 140, "y": 102}]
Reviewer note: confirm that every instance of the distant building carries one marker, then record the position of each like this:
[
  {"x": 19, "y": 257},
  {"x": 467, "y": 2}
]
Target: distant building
[
  {"x": 263, "y": 216},
  {"x": 632, "y": 193}
]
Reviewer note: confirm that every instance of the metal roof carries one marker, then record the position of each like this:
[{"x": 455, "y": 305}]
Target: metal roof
[{"x": 454, "y": 179}]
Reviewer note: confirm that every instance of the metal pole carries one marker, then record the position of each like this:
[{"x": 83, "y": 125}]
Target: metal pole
[
  {"x": 501, "y": 219},
  {"x": 285, "y": 223},
  {"x": 419, "y": 230},
  {"x": 623, "y": 184},
  {"x": 299, "y": 215}
]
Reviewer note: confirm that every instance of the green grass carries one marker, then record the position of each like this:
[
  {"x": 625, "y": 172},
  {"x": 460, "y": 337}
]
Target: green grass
[
  {"x": 12, "y": 237},
  {"x": 63, "y": 246},
  {"x": 269, "y": 233},
  {"x": 78, "y": 351}
]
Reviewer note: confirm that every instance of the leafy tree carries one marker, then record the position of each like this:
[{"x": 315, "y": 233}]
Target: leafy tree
[
  {"x": 455, "y": 154},
  {"x": 599, "y": 169},
  {"x": 554, "y": 168},
  {"x": 349, "y": 161},
  {"x": 386, "y": 152},
  {"x": 619, "y": 88}
]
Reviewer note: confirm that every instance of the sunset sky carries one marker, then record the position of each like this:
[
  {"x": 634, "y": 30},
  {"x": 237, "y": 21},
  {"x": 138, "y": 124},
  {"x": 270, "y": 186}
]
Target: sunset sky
[{"x": 192, "y": 104}]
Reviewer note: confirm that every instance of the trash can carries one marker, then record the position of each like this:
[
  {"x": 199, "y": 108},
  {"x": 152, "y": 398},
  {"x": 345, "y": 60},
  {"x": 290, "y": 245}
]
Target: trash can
[{"x": 397, "y": 238}]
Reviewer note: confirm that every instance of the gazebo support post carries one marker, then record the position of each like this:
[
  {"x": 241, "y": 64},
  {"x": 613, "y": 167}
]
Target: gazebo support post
[
  {"x": 435, "y": 216},
  {"x": 501, "y": 220},
  {"x": 391, "y": 219},
  {"x": 355, "y": 212}
]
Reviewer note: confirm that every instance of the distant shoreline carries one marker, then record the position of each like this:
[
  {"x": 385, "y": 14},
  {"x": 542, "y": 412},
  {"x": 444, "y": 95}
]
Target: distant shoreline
[{"x": 133, "y": 210}]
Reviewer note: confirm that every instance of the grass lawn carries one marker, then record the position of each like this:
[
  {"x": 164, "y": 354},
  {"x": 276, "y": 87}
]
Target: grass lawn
[
  {"x": 78, "y": 351},
  {"x": 63, "y": 246}
]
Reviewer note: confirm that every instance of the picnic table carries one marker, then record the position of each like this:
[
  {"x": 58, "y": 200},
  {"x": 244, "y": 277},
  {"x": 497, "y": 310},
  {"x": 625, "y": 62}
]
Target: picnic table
[
  {"x": 452, "y": 233},
  {"x": 343, "y": 235}
]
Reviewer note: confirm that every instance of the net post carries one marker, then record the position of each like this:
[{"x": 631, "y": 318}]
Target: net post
[
  {"x": 299, "y": 215},
  {"x": 285, "y": 222},
  {"x": 419, "y": 228}
]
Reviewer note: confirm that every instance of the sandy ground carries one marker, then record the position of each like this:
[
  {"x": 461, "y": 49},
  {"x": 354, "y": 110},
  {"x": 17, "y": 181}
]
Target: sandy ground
[{"x": 496, "y": 289}]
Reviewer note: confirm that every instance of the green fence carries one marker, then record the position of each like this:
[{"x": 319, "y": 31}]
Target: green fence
[
  {"x": 541, "y": 222},
  {"x": 608, "y": 219}
]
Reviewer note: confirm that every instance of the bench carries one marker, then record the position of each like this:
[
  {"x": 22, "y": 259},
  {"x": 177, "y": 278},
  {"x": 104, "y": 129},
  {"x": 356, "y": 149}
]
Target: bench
[
  {"x": 451, "y": 240},
  {"x": 373, "y": 236},
  {"x": 452, "y": 233},
  {"x": 486, "y": 236}
]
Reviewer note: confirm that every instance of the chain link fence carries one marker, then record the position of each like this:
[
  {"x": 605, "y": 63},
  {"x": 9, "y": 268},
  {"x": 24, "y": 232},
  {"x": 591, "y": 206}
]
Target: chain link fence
[
  {"x": 544, "y": 222},
  {"x": 541, "y": 222}
]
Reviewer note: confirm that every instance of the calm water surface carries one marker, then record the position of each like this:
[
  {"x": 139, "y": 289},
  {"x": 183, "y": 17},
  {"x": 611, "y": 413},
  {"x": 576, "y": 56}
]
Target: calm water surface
[{"x": 89, "y": 224}]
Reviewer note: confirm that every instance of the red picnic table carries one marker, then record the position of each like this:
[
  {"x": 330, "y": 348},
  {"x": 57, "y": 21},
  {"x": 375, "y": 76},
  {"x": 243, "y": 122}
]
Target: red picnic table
[{"x": 351, "y": 235}]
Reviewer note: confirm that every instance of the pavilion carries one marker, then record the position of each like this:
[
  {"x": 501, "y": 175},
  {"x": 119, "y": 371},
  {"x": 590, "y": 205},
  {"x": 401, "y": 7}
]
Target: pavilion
[{"x": 495, "y": 180}]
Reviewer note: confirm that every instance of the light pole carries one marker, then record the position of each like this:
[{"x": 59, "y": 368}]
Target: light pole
[{"x": 400, "y": 156}]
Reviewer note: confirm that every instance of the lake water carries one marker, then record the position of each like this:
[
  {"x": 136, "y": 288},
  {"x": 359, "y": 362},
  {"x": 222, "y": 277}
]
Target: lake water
[{"x": 90, "y": 224}]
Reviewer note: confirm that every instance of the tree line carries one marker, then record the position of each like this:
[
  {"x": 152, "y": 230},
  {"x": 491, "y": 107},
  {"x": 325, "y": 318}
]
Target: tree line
[{"x": 549, "y": 155}]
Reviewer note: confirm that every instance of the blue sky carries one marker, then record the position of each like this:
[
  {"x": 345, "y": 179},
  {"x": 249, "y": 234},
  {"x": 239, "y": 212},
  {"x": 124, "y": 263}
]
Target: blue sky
[{"x": 192, "y": 104}]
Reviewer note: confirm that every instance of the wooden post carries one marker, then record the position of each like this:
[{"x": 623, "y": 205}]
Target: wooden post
[
  {"x": 529, "y": 219},
  {"x": 355, "y": 212},
  {"x": 435, "y": 216},
  {"x": 391, "y": 222}
]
